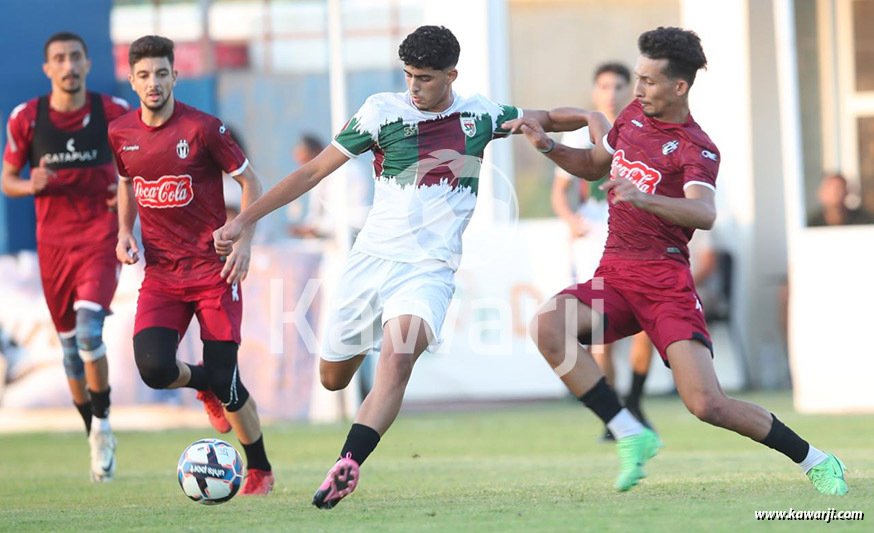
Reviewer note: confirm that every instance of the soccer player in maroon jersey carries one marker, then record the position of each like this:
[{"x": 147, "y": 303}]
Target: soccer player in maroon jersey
[
  {"x": 62, "y": 136},
  {"x": 170, "y": 157},
  {"x": 662, "y": 187}
]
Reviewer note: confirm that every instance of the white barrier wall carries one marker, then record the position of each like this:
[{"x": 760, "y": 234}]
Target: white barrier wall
[{"x": 831, "y": 293}]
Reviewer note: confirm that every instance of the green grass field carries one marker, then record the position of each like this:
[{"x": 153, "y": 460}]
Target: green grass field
[{"x": 517, "y": 469}]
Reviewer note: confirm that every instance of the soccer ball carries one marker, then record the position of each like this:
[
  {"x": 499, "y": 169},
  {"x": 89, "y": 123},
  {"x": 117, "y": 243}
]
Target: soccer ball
[{"x": 210, "y": 471}]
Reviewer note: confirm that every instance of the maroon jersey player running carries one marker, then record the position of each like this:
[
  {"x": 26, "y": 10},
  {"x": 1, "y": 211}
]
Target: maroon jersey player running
[
  {"x": 62, "y": 137},
  {"x": 170, "y": 157},
  {"x": 662, "y": 186}
]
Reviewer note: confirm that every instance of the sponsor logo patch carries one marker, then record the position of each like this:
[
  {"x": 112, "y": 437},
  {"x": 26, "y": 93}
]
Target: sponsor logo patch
[
  {"x": 640, "y": 174},
  {"x": 165, "y": 192},
  {"x": 709, "y": 155},
  {"x": 71, "y": 155}
]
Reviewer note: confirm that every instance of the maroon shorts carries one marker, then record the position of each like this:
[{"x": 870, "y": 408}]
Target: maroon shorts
[
  {"x": 657, "y": 297},
  {"x": 84, "y": 276},
  {"x": 218, "y": 306}
]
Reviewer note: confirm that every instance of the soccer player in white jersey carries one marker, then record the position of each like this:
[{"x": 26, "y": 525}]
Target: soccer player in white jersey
[{"x": 398, "y": 281}]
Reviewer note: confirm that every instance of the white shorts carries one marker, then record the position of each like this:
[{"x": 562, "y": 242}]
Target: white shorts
[{"x": 373, "y": 291}]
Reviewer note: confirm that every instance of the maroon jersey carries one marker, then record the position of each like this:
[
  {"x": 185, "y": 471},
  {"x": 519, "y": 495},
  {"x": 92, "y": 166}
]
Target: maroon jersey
[
  {"x": 71, "y": 211},
  {"x": 176, "y": 171},
  {"x": 659, "y": 158}
]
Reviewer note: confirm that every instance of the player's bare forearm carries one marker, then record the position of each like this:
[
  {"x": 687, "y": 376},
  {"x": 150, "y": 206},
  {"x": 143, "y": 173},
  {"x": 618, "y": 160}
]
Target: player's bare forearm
[
  {"x": 251, "y": 191},
  {"x": 587, "y": 163},
  {"x": 12, "y": 183},
  {"x": 564, "y": 118},
  {"x": 127, "y": 209},
  {"x": 689, "y": 212},
  {"x": 294, "y": 185},
  {"x": 590, "y": 164}
]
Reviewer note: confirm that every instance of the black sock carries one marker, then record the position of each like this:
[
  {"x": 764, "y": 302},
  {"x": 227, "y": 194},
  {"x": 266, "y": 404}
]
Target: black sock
[
  {"x": 85, "y": 411},
  {"x": 100, "y": 403},
  {"x": 637, "y": 381},
  {"x": 256, "y": 457},
  {"x": 360, "y": 442},
  {"x": 199, "y": 379},
  {"x": 602, "y": 401},
  {"x": 786, "y": 441}
]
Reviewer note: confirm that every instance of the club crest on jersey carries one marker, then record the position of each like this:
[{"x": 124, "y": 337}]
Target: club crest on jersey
[
  {"x": 165, "y": 192},
  {"x": 182, "y": 149},
  {"x": 670, "y": 146},
  {"x": 468, "y": 126},
  {"x": 643, "y": 176}
]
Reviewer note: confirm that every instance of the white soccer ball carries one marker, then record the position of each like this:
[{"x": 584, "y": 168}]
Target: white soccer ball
[{"x": 210, "y": 471}]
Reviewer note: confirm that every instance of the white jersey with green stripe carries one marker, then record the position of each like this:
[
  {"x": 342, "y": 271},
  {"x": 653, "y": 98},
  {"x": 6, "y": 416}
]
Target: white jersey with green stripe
[{"x": 426, "y": 166}]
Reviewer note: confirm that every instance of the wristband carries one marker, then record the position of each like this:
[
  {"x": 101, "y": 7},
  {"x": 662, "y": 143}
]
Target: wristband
[{"x": 551, "y": 147}]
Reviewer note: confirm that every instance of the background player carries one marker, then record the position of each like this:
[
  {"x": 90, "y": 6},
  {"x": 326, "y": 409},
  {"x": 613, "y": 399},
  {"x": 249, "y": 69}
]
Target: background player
[
  {"x": 662, "y": 187},
  {"x": 62, "y": 137},
  {"x": 399, "y": 278},
  {"x": 588, "y": 226},
  {"x": 170, "y": 157}
]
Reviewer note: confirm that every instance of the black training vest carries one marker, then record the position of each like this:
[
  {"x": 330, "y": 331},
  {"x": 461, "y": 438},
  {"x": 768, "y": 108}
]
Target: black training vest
[{"x": 87, "y": 147}]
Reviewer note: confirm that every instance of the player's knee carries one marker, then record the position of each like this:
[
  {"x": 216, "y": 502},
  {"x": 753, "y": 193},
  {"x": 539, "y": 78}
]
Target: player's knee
[
  {"x": 400, "y": 367},
  {"x": 74, "y": 367},
  {"x": 707, "y": 407},
  {"x": 89, "y": 334},
  {"x": 222, "y": 372},
  {"x": 158, "y": 376},
  {"x": 549, "y": 335},
  {"x": 155, "y": 356},
  {"x": 334, "y": 381}
]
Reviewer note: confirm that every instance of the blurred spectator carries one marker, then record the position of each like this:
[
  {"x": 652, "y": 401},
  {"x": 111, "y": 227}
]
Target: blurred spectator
[
  {"x": 585, "y": 212},
  {"x": 833, "y": 211},
  {"x": 319, "y": 220}
]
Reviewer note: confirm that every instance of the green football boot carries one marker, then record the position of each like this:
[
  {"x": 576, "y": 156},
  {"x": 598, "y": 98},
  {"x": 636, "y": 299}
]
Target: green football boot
[
  {"x": 634, "y": 452},
  {"x": 828, "y": 476}
]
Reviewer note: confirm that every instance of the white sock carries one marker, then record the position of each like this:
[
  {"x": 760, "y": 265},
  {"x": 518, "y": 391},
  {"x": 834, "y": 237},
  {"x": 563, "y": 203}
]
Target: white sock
[
  {"x": 102, "y": 424},
  {"x": 814, "y": 457},
  {"x": 624, "y": 425}
]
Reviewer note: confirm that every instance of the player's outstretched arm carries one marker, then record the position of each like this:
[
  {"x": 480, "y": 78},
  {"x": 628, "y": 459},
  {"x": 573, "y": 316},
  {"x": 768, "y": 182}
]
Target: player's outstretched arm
[
  {"x": 237, "y": 265},
  {"x": 590, "y": 164},
  {"x": 564, "y": 118},
  {"x": 289, "y": 189},
  {"x": 14, "y": 186},
  {"x": 696, "y": 210},
  {"x": 126, "y": 250}
]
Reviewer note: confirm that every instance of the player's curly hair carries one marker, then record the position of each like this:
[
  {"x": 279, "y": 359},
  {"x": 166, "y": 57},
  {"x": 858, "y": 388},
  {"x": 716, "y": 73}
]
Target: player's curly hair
[
  {"x": 682, "y": 48},
  {"x": 430, "y": 47},
  {"x": 150, "y": 46}
]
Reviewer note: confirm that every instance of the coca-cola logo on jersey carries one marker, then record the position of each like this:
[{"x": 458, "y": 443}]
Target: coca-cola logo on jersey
[
  {"x": 166, "y": 191},
  {"x": 643, "y": 176}
]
